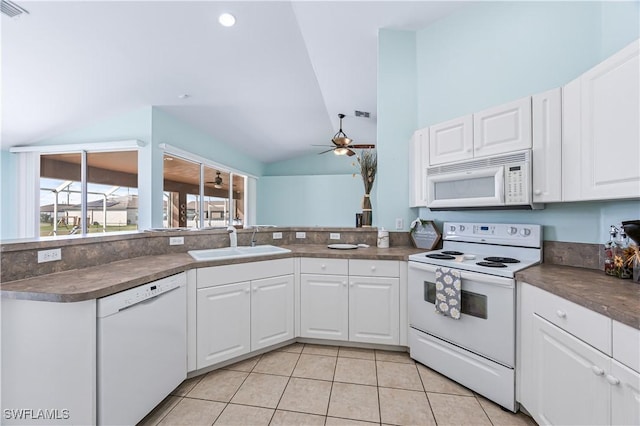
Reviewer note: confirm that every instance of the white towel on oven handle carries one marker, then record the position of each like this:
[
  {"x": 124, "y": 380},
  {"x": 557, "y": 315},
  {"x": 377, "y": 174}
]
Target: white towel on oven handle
[{"x": 448, "y": 292}]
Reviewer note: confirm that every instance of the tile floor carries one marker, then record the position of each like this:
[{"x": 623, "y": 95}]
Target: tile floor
[{"x": 305, "y": 384}]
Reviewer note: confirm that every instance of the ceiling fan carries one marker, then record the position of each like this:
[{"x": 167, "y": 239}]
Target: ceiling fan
[
  {"x": 217, "y": 182},
  {"x": 343, "y": 144}
]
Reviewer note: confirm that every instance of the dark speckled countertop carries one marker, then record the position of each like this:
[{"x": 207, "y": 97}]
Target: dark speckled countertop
[
  {"x": 103, "y": 280},
  {"x": 591, "y": 288}
]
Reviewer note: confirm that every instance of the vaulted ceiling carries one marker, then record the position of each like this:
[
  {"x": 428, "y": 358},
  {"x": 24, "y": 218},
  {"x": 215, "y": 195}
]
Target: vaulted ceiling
[{"x": 272, "y": 85}]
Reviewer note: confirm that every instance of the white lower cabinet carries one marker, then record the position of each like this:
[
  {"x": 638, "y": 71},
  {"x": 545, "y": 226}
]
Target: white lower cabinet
[
  {"x": 272, "y": 306},
  {"x": 374, "y": 310},
  {"x": 568, "y": 373},
  {"x": 324, "y": 306},
  {"x": 363, "y": 306},
  {"x": 224, "y": 326}
]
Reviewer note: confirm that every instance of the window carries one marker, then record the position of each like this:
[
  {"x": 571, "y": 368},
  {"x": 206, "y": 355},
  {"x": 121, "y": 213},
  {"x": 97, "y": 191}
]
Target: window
[
  {"x": 215, "y": 200},
  {"x": 111, "y": 193}
]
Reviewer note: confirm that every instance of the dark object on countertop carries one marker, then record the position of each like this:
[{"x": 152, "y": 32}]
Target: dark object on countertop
[{"x": 632, "y": 229}]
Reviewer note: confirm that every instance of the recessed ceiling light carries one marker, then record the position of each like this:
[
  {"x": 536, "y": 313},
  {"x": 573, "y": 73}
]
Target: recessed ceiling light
[
  {"x": 184, "y": 96},
  {"x": 227, "y": 20}
]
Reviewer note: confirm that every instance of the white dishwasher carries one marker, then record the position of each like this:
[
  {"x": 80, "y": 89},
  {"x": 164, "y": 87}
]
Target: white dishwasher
[{"x": 142, "y": 349}]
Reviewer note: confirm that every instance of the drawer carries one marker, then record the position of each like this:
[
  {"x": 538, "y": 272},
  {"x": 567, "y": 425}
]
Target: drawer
[
  {"x": 626, "y": 341},
  {"x": 309, "y": 265},
  {"x": 589, "y": 326},
  {"x": 227, "y": 274},
  {"x": 374, "y": 268}
]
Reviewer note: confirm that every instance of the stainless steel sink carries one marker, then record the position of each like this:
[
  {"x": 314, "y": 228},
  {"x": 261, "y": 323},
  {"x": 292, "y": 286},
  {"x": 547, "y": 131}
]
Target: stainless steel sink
[{"x": 235, "y": 252}]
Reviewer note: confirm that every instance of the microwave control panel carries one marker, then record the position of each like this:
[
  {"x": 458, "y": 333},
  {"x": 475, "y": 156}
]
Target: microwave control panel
[{"x": 516, "y": 183}]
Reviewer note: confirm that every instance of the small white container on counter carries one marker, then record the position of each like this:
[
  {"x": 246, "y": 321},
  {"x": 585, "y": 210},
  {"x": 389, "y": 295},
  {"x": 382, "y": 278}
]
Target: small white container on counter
[{"x": 383, "y": 238}]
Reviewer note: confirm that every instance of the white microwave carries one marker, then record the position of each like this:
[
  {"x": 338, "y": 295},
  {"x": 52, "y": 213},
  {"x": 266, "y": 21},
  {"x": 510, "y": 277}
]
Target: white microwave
[{"x": 497, "y": 182}]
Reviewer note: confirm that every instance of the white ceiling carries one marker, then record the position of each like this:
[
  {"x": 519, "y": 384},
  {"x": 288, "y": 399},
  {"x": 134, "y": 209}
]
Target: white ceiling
[{"x": 271, "y": 86}]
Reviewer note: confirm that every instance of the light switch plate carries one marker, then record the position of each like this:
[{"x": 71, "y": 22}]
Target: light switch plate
[
  {"x": 277, "y": 235},
  {"x": 49, "y": 255},
  {"x": 334, "y": 236},
  {"x": 176, "y": 241},
  {"x": 301, "y": 235}
]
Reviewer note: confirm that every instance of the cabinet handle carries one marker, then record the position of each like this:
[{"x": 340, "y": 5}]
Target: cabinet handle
[
  {"x": 255, "y": 289},
  {"x": 323, "y": 266},
  {"x": 597, "y": 370},
  {"x": 612, "y": 380},
  {"x": 468, "y": 149},
  {"x": 351, "y": 284},
  {"x": 561, "y": 314},
  {"x": 537, "y": 192},
  {"x": 373, "y": 268},
  {"x": 344, "y": 283},
  {"x": 247, "y": 291}
]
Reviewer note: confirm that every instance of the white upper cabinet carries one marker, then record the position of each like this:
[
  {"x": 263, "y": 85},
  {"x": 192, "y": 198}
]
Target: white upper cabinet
[
  {"x": 601, "y": 130},
  {"x": 451, "y": 141},
  {"x": 502, "y": 129},
  {"x": 547, "y": 146},
  {"x": 418, "y": 161}
]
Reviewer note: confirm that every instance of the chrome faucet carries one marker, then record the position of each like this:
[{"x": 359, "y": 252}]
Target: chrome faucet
[
  {"x": 256, "y": 228},
  {"x": 233, "y": 236}
]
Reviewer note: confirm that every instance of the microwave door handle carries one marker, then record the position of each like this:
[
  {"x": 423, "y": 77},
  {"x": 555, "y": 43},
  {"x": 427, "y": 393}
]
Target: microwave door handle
[{"x": 500, "y": 185}]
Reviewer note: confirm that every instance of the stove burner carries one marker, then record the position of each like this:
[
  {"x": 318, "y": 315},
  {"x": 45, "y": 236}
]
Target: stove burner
[
  {"x": 501, "y": 259},
  {"x": 453, "y": 253},
  {"x": 492, "y": 264},
  {"x": 440, "y": 256}
]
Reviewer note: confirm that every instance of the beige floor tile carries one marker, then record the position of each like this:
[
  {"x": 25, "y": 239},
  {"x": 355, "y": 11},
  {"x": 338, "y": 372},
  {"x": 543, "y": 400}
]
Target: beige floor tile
[
  {"x": 393, "y": 356},
  {"x": 193, "y": 412},
  {"x": 294, "y": 347},
  {"x": 291, "y": 418},
  {"x": 358, "y": 371},
  {"x": 335, "y": 421},
  {"x": 318, "y": 367},
  {"x": 499, "y": 417},
  {"x": 306, "y": 396},
  {"x": 246, "y": 365},
  {"x": 243, "y": 415},
  {"x": 261, "y": 390},
  {"x": 160, "y": 411},
  {"x": 436, "y": 382},
  {"x": 219, "y": 385},
  {"x": 404, "y": 407},
  {"x": 280, "y": 363},
  {"x": 186, "y": 386},
  {"x": 398, "y": 375},
  {"x": 357, "y": 353},
  {"x": 357, "y": 402},
  {"x": 320, "y": 350},
  {"x": 457, "y": 410}
]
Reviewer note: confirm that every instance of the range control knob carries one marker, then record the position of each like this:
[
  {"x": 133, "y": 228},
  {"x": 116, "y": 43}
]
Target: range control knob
[
  {"x": 512, "y": 230},
  {"x": 461, "y": 228},
  {"x": 452, "y": 228},
  {"x": 525, "y": 232}
]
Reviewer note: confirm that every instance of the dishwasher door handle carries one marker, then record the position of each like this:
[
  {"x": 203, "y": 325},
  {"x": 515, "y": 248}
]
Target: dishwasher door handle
[{"x": 147, "y": 301}]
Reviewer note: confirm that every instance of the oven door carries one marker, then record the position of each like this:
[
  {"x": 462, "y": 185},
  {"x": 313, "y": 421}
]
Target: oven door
[
  {"x": 471, "y": 188},
  {"x": 487, "y": 324}
]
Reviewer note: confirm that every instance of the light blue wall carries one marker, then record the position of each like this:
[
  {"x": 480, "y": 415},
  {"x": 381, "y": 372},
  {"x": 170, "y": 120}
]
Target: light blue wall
[
  {"x": 313, "y": 164},
  {"x": 493, "y": 52},
  {"x": 8, "y": 200},
  {"x": 322, "y": 200}
]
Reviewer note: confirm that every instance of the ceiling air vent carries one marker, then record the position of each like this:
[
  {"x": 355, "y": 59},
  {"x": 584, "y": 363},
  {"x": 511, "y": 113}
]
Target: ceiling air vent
[
  {"x": 11, "y": 9},
  {"x": 362, "y": 114}
]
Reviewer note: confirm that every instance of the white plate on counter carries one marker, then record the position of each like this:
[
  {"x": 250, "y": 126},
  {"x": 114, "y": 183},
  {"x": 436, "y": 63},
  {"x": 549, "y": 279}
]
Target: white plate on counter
[{"x": 342, "y": 246}]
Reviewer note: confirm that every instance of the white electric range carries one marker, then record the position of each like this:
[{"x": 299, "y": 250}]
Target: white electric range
[{"x": 477, "y": 350}]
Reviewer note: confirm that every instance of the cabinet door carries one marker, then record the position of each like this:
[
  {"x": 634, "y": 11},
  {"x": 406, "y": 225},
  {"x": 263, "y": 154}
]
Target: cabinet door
[
  {"x": 571, "y": 388},
  {"x": 271, "y": 311},
  {"x": 451, "y": 140},
  {"x": 610, "y": 127},
  {"x": 547, "y": 146},
  {"x": 374, "y": 310},
  {"x": 571, "y": 143},
  {"x": 625, "y": 395},
  {"x": 324, "y": 306},
  {"x": 418, "y": 162},
  {"x": 502, "y": 129},
  {"x": 223, "y": 327}
]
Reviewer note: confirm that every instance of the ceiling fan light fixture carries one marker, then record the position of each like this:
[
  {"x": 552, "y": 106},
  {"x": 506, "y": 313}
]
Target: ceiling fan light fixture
[
  {"x": 341, "y": 151},
  {"x": 341, "y": 138},
  {"x": 217, "y": 183}
]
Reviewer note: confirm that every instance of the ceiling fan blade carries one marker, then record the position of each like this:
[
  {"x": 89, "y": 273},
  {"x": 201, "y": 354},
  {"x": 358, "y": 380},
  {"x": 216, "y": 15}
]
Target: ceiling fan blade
[
  {"x": 362, "y": 146},
  {"x": 324, "y": 152},
  {"x": 350, "y": 153},
  {"x": 321, "y": 145}
]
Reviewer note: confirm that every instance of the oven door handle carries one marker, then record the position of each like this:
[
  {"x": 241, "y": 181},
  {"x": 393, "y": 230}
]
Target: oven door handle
[{"x": 465, "y": 275}]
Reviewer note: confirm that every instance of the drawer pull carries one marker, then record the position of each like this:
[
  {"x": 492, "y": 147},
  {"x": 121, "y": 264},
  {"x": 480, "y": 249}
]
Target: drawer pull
[
  {"x": 561, "y": 314},
  {"x": 612, "y": 380},
  {"x": 247, "y": 290},
  {"x": 344, "y": 283},
  {"x": 597, "y": 370},
  {"x": 373, "y": 268},
  {"x": 323, "y": 266}
]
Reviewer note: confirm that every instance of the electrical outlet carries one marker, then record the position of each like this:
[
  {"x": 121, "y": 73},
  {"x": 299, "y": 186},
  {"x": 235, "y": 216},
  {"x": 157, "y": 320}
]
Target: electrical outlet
[
  {"x": 176, "y": 241},
  {"x": 399, "y": 224},
  {"x": 301, "y": 235},
  {"x": 49, "y": 255},
  {"x": 277, "y": 235},
  {"x": 334, "y": 236}
]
